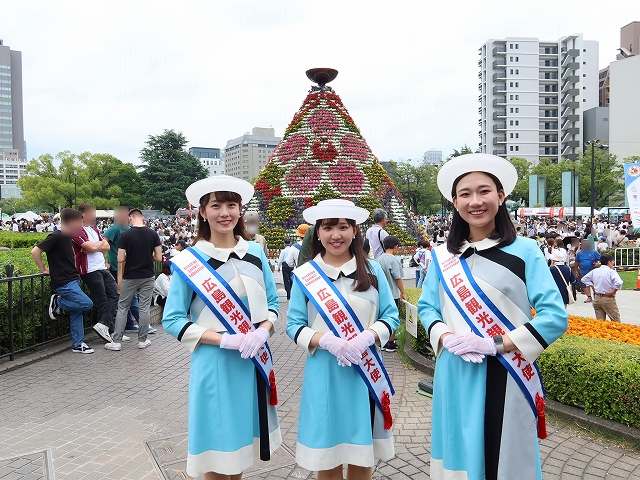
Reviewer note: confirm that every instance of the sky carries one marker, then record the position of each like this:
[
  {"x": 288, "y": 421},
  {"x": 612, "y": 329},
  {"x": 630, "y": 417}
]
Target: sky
[{"x": 103, "y": 76}]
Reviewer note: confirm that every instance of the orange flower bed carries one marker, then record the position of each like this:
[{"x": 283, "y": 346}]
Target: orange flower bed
[{"x": 592, "y": 328}]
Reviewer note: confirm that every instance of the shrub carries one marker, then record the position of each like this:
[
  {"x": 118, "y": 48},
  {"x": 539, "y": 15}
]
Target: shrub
[
  {"x": 20, "y": 240},
  {"x": 601, "y": 375}
]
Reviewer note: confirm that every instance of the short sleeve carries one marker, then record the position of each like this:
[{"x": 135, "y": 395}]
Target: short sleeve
[{"x": 48, "y": 243}]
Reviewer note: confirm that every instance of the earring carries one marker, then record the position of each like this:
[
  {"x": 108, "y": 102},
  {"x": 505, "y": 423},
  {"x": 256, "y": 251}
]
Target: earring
[
  {"x": 204, "y": 220},
  {"x": 354, "y": 236},
  {"x": 500, "y": 204}
]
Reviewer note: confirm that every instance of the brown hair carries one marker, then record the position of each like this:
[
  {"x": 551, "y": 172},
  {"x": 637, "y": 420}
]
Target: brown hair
[
  {"x": 85, "y": 206},
  {"x": 204, "y": 230},
  {"x": 365, "y": 278},
  {"x": 69, "y": 214}
]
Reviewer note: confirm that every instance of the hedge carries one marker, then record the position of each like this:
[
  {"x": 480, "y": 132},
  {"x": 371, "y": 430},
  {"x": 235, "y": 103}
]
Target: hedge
[
  {"x": 601, "y": 376},
  {"x": 21, "y": 240}
]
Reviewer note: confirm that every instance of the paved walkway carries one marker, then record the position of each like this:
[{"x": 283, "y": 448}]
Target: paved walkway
[{"x": 124, "y": 416}]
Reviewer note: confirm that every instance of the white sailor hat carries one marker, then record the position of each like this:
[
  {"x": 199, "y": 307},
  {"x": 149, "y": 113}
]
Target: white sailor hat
[
  {"x": 335, "y": 209},
  {"x": 219, "y": 183},
  {"x": 500, "y": 168}
]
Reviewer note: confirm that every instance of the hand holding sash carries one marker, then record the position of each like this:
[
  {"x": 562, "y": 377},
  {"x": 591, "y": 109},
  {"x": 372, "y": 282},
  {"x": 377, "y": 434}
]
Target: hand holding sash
[
  {"x": 232, "y": 341},
  {"x": 253, "y": 342},
  {"x": 342, "y": 349}
]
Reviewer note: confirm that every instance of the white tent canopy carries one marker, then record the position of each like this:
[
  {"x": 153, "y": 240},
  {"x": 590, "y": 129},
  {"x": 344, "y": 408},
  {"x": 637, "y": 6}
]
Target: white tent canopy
[{"x": 28, "y": 216}]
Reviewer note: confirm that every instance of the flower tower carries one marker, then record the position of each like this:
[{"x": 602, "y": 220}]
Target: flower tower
[{"x": 323, "y": 155}]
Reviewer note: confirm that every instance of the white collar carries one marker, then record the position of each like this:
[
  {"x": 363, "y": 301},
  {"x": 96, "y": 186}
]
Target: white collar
[
  {"x": 334, "y": 272},
  {"x": 222, "y": 254},
  {"x": 484, "y": 244}
]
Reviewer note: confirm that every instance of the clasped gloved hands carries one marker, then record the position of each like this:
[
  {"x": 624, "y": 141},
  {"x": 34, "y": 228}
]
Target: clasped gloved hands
[
  {"x": 346, "y": 353},
  {"x": 471, "y": 347}
]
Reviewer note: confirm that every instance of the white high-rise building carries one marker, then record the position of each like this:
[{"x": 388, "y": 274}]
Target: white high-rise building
[{"x": 533, "y": 94}]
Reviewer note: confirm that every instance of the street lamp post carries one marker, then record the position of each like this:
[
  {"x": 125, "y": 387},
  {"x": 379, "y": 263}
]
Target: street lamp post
[
  {"x": 594, "y": 144},
  {"x": 75, "y": 189}
]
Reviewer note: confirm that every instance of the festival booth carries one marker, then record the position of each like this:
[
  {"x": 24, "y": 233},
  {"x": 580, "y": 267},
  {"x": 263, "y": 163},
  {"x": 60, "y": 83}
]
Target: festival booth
[{"x": 558, "y": 212}]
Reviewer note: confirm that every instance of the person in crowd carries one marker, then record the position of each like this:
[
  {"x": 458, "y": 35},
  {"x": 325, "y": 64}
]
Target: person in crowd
[
  {"x": 305, "y": 251},
  {"x": 377, "y": 233},
  {"x": 563, "y": 275},
  {"x": 284, "y": 266},
  {"x": 340, "y": 327},
  {"x": 252, "y": 222},
  {"x": 224, "y": 311},
  {"x": 423, "y": 259},
  {"x": 415, "y": 260},
  {"x": 392, "y": 269},
  {"x": 138, "y": 248},
  {"x": 296, "y": 248},
  {"x": 65, "y": 279},
  {"x": 440, "y": 237},
  {"x": 488, "y": 402},
  {"x": 621, "y": 239},
  {"x": 161, "y": 285},
  {"x": 89, "y": 247},
  {"x": 603, "y": 246},
  {"x": 179, "y": 246},
  {"x": 605, "y": 282},
  {"x": 586, "y": 260}
]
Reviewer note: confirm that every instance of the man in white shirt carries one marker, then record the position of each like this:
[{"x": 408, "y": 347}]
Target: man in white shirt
[
  {"x": 605, "y": 282},
  {"x": 377, "y": 233},
  {"x": 294, "y": 251}
]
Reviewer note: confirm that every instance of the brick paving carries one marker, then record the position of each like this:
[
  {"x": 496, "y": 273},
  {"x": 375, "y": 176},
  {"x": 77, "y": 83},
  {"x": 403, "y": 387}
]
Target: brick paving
[{"x": 123, "y": 415}]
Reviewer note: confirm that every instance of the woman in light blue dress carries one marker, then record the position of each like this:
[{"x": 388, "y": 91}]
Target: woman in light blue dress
[
  {"x": 339, "y": 421},
  {"x": 231, "y": 421}
]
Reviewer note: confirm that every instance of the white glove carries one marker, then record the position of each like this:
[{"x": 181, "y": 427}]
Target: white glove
[
  {"x": 253, "y": 342},
  {"x": 232, "y": 341},
  {"x": 473, "y": 343},
  {"x": 472, "y": 357},
  {"x": 452, "y": 340},
  {"x": 362, "y": 341},
  {"x": 344, "y": 351}
]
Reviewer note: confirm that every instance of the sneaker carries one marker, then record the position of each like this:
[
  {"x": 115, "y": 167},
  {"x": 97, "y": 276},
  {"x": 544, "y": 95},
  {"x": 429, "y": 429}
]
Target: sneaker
[
  {"x": 82, "y": 348},
  {"x": 152, "y": 330},
  {"x": 103, "y": 331},
  {"x": 390, "y": 347},
  {"x": 132, "y": 330},
  {"x": 589, "y": 300},
  {"x": 116, "y": 347},
  {"x": 125, "y": 338},
  {"x": 54, "y": 307},
  {"x": 144, "y": 344}
]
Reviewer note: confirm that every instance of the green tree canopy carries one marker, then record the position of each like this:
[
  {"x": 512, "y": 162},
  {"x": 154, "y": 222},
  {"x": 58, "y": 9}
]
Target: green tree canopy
[
  {"x": 69, "y": 179},
  {"x": 521, "y": 190},
  {"x": 417, "y": 184},
  {"x": 168, "y": 170}
]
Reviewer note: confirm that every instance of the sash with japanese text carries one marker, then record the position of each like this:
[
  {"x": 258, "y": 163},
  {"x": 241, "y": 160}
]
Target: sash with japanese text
[
  {"x": 486, "y": 320},
  {"x": 218, "y": 295},
  {"x": 343, "y": 322}
]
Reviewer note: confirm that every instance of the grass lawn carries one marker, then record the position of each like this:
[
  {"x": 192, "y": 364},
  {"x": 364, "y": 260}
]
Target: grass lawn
[{"x": 629, "y": 279}]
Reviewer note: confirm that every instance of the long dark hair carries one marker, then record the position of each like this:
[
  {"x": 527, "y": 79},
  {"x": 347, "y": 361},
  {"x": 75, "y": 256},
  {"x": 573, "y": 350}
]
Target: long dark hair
[
  {"x": 204, "y": 229},
  {"x": 504, "y": 232},
  {"x": 365, "y": 278}
]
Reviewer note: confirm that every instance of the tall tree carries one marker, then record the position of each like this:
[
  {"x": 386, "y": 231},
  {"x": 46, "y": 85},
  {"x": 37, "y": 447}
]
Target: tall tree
[
  {"x": 168, "y": 170},
  {"x": 417, "y": 183},
  {"x": 609, "y": 178},
  {"x": 521, "y": 190},
  {"x": 463, "y": 151}
]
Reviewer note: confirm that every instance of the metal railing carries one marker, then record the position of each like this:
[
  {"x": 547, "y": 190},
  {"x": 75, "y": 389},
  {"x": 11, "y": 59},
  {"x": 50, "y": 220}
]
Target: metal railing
[{"x": 627, "y": 258}]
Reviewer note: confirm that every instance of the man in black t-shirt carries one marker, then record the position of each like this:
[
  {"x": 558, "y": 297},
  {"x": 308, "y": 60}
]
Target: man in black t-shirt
[
  {"x": 64, "y": 277},
  {"x": 138, "y": 247}
]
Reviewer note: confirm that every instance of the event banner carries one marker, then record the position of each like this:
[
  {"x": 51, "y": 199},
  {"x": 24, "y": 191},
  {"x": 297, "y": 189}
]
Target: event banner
[{"x": 632, "y": 184}]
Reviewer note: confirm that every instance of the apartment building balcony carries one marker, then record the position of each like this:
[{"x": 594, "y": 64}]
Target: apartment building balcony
[
  {"x": 500, "y": 50},
  {"x": 499, "y": 101},
  {"x": 548, "y": 63},
  {"x": 570, "y": 144},
  {"x": 500, "y": 140},
  {"x": 569, "y": 94},
  {"x": 569, "y": 82},
  {"x": 500, "y": 63},
  {"x": 548, "y": 151},
  {"x": 548, "y": 50},
  {"x": 570, "y": 156},
  {"x": 500, "y": 151},
  {"x": 568, "y": 107},
  {"x": 569, "y": 55},
  {"x": 500, "y": 88},
  {"x": 548, "y": 89},
  {"x": 548, "y": 138},
  {"x": 548, "y": 76},
  {"x": 552, "y": 113},
  {"x": 498, "y": 127},
  {"x": 570, "y": 132},
  {"x": 501, "y": 75},
  {"x": 548, "y": 126},
  {"x": 499, "y": 114},
  {"x": 568, "y": 121},
  {"x": 549, "y": 101},
  {"x": 568, "y": 70}
]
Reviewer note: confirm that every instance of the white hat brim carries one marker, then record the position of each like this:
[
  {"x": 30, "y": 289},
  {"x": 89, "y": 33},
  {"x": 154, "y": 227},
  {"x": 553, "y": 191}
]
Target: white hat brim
[
  {"x": 335, "y": 209},
  {"x": 219, "y": 183},
  {"x": 502, "y": 169}
]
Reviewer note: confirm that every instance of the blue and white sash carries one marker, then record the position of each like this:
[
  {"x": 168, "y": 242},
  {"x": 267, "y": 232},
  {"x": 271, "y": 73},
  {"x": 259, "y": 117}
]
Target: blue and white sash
[
  {"x": 343, "y": 322},
  {"x": 486, "y": 320},
  {"x": 216, "y": 293}
]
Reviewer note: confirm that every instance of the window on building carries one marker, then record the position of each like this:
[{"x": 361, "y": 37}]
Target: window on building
[
  {"x": 511, "y": 46},
  {"x": 511, "y": 135},
  {"x": 517, "y": 97},
  {"x": 517, "y": 135},
  {"x": 517, "y": 45},
  {"x": 517, "y": 71},
  {"x": 511, "y": 148},
  {"x": 511, "y": 84},
  {"x": 511, "y": 123},
  {"x": 517, "y": 84},
  {"x": 510, "y": 97},
  {"x": 517, "y": 110},
  {"x": 511, "y": 59},
  {"x": 517, "y": 122},
  {"x": 517, "y": 148},
  {"x": 517, "y": 59},
  {"x": 511, "y": 71}
]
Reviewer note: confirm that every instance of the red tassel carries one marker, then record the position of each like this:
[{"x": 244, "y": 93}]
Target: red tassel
[
  {"x": 386, "y": 410},
  {"x": 542, "y": 421},
  {"x": 273, "y": 397}
]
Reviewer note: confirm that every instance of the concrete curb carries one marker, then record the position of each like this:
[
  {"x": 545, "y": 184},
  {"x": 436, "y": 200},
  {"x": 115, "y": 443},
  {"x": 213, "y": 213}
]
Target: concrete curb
[
  {"x": 557, "y": 409},
  {"x": 61, "y": 345}
]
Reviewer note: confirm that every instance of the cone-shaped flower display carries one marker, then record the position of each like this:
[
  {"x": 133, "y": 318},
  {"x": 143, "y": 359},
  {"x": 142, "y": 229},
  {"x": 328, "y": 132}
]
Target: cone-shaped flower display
[{"x": 323, "y": 155}]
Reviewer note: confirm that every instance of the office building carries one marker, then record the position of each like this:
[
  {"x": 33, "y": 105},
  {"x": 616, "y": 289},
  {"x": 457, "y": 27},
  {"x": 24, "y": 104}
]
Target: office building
[
  {"x": 246, "y": 156},
  {"x": 624, "y": 108},
  {"x": 533, "y": 94},
  {"x": 211, "y": 158},
  {"x": 11, "y": 166},
  {"x": 433, "y": 156},
  {"x": 11, "y": 116},
  {"x": 629, "y": 47},
  {"x": 596, "y": 124}
]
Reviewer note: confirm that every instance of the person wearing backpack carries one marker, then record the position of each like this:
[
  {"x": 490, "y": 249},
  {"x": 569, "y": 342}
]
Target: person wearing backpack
[
  {"x": 564, "y": 277},
  {"x": 377, "y": 233}
]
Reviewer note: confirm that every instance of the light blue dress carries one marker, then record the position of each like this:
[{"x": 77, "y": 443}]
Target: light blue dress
[
  {"x": 482, "y": 425},
  {"x": 339, "y": 423},
  {"x": 224, "y": 420}
]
